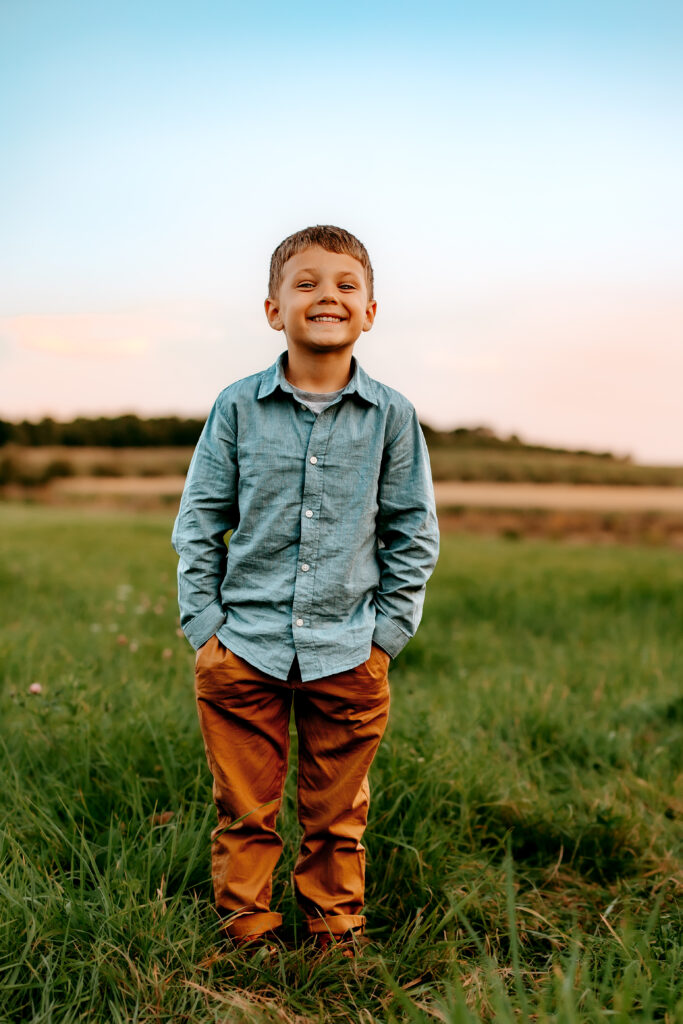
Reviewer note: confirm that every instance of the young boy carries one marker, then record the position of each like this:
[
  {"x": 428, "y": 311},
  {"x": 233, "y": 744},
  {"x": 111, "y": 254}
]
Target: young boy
[{"x": 322, "y": 475}]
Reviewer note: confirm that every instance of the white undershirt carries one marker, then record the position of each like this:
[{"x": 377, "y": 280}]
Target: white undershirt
[{"x": 316, "y": 403}]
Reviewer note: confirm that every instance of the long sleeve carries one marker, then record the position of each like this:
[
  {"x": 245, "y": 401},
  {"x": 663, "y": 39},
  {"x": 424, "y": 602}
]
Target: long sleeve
[
  {"x": 208, "y": 509},
  {"x": 408, "y": 537}
]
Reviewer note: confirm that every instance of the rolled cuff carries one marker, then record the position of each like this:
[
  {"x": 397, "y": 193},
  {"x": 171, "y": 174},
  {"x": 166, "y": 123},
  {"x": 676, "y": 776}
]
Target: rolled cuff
[
  {"x": 251, "y": 924},
  {"x": 336, "y": 925},
  {"x": 388, "y": 635},
  {"x": 203, "y": 626}
]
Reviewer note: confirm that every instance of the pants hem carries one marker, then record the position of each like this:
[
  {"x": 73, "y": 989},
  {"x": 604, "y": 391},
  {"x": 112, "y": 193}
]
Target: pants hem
[
  {"x": 251, "y": 924},
  {"x": 337, "y": 924}
]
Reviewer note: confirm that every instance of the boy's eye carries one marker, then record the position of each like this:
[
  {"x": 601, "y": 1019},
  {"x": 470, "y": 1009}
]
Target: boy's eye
[
  {"x": 305, "y": 284},
  {"x": 347, "y": 285}
]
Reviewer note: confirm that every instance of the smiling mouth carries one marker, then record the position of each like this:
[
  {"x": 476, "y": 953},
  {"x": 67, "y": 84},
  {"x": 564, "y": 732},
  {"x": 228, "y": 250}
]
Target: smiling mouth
[{"x": 326, "y": 319}]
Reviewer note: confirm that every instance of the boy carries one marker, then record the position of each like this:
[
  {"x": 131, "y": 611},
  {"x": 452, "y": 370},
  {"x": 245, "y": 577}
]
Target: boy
[{"x": 322, "y": 475}]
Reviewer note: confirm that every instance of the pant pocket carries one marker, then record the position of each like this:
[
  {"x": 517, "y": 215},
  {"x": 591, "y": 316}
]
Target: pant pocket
[
  {"x": 214, "y": 666},
  {"x": 376, "y": 666},
  {"x": 204, "y": 649}
]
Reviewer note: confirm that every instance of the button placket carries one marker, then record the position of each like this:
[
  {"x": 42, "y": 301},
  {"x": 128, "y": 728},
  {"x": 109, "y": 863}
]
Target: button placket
[{"x": 311, "y": 500}]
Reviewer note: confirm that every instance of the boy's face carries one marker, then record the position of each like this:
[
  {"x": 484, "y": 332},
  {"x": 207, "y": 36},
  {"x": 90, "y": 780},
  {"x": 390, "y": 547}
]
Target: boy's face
[{"x": 322, "y": 304}]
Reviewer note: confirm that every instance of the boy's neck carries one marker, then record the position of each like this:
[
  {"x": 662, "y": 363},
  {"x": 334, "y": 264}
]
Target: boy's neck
[{"x": 319, "y": 373}]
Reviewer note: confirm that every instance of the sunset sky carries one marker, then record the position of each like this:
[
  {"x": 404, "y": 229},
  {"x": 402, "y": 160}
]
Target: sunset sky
[{"x": 514, "y": 169}]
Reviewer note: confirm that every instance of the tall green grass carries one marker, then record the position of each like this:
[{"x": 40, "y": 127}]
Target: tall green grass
[{"x": 524, "y": 847}]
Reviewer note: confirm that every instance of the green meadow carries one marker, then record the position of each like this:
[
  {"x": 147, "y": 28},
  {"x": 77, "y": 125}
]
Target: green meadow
[{"x": 524, "y": 847}]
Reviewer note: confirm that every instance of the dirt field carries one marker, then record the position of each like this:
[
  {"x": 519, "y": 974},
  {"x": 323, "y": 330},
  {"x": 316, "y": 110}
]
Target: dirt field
[
  {"x": 124, "y": 486},
  {"x": 563, "y": 497},
  {"x": 453, "y": 494}
]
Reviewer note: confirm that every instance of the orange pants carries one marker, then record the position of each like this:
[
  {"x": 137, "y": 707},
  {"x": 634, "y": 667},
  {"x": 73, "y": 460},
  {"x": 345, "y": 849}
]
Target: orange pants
[{"x": 244, "y": 717}]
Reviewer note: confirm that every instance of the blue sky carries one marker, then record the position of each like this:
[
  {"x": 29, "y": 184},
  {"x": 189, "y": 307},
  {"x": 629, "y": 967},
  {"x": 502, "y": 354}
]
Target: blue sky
[{"x": 514, "y": 170}]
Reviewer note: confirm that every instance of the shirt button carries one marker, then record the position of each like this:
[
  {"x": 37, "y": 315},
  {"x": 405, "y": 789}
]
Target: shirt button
[
  {"x": 305, "y": 567},
  {"x": 313, "y": 460},
  {"x": 304, "y": 407},
  {"x": 299, "y": 622},
  {"x": 309, "y": 513}
]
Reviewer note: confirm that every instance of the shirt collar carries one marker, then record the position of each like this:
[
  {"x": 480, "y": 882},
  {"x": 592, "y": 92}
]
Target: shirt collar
[{"x": 360, "y": 384}]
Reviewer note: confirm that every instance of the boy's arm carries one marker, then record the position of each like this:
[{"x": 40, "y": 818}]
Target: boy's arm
[
  {"x": 408, "y": 534},
  {"x": 208, "y": 509}
]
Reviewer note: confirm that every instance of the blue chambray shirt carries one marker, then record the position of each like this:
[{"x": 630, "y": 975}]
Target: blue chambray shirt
[{"x": 334, "y": 530}]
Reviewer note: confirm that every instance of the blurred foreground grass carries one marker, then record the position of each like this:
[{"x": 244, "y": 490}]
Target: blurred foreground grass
[{"x": 524, "y": 847}]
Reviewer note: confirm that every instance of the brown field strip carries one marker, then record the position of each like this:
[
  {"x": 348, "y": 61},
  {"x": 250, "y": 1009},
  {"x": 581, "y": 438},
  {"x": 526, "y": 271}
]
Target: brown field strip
[
  {"x": 559, "y": 497},
  {"x": 123, "y": 486},
  {"x": 450, "y": 494}
]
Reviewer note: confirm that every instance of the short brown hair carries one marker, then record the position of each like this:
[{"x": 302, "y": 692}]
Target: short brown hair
[{"x": 327, "y": 237}]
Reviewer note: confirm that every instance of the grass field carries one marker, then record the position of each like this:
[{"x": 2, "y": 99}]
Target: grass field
[{"x": 524, "y": 848}]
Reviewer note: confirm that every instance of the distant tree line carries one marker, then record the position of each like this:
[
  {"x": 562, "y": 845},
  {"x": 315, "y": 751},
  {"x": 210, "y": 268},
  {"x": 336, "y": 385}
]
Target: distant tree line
[
  {"x": 130, "y": 431},
  {"x": 485, "y": 438},
  {"x": 127, "y": 431}
]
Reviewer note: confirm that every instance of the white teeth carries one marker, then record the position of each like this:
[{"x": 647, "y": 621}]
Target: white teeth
[{"x": 327, "y": 319}]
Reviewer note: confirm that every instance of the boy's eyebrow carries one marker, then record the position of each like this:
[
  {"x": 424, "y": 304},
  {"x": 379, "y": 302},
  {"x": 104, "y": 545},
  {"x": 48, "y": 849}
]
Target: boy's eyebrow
[{"x": 340, "y": 273}]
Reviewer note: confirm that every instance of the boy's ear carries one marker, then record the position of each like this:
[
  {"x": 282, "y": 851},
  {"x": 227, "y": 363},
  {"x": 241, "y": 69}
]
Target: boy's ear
[
  {"x": 370, "y": 315},
  {"x": 273, "y": 314}
]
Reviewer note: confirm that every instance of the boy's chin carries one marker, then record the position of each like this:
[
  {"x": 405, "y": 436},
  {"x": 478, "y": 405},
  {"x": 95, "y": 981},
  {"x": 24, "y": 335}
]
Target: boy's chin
[{"x": 321, "y": 345}]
